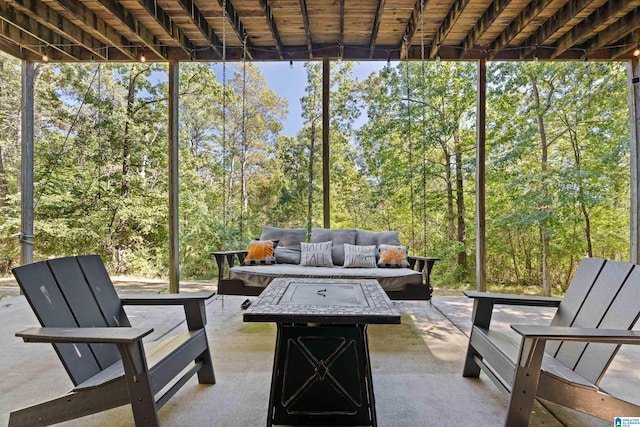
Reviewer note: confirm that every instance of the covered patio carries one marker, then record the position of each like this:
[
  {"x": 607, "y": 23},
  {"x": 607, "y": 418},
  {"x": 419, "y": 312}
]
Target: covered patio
[{"x": 417, "y": 366}]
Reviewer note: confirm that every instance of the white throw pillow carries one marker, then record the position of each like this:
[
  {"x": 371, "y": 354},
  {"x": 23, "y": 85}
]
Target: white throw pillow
[
  {"x": 362, "y": 256},
  {"x": 316, "y": 254}
]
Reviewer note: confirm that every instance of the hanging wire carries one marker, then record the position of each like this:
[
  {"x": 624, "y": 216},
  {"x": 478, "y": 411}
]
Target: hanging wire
[
  {"x": 244, "y": 132},
  {"x": 224, "y": 124},
  {"x": 56, "y": 160},
  {"x": 424, "y": 139},
  {"x": 410, "y": 140}
]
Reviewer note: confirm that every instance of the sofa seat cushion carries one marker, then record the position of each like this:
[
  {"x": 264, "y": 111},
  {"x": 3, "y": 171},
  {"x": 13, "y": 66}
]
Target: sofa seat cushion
[{"x": 391, "y": 279}]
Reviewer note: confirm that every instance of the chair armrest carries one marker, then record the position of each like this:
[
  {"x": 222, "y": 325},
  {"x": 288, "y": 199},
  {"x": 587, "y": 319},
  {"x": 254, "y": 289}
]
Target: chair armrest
[
  {"x": 120, "y": 335},
  {"x": 193, "y": 304},
  {"x": 422, "y": 262},
  {"x": 506, "y": 299},
  {"x": 228, "y": 256},
  {"x": 567, "y": 333},
  {"x": 164, "y": 299}
]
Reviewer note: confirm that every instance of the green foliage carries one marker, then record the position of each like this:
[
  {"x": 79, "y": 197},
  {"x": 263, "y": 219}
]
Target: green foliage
[{"x": 557, "y": 163}]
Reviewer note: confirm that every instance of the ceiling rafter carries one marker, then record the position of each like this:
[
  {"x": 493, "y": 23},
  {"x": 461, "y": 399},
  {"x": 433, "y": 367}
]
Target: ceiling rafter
[
  {"x": 238, "y": 28},
  {"x": 627, "y": 44},
  {"x": 307, "y": 28},
  {"x": 410, "y": 30},
  {"x": 447, "y": 24},
  {"x": 39, "y": 36},
  {"x": 616, "y": 31},
  {"x": 341, "y": 38},
  {"x": 168, "y": 26},
  {"x": 268, "y": 14},
  {"x": 376, "y": 27},
  {"x": 91, "y": 24},
  {"x": 43, "y": 14},
  {"x": 584, "y": 30},
  {"x": 488, "y": 17},
  {"x": 142, "y": 33},
  {"x": 200, "y": 22},
  {"x": 553, "y": 24},
  {"x": 532, "y": 10},
  {"x": 9, "y": 46}
]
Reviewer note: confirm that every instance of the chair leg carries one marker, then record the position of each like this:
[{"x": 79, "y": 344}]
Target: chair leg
[
  {"x": 471, "y": 368},
  {"x": 525, "y": 383},
  {"x": 206, "y": 374},
  {"x": 136, "y": 372}
]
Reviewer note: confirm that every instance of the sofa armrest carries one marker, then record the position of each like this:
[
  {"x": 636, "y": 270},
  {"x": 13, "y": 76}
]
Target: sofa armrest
[
  {"x": 422, "y": 262},
  {"x": 228, "y": 256}
]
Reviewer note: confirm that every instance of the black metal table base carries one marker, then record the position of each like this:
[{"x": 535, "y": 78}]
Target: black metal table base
[{"x": 321, "y": 376}]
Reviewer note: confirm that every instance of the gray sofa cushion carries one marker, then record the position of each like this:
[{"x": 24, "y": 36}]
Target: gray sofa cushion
[
  {"x": 287, "y": 237},
  {"x": 391, "y": 279},
  {"x": 364, "y": 237},
  {"x": 338, "y": 238},
  {"x": 288, "y": 249}
]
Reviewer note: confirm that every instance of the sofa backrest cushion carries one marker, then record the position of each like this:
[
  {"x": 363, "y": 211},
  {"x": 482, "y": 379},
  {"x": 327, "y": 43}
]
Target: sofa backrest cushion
[
  {"x": 287, "y": 237},
  {"x": 338, "y": 237},
  {"x": 288, "y": 249},
  {"x": 365, "y": 237}
]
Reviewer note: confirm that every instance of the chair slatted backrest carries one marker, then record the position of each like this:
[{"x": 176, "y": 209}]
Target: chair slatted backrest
[
  {"x": 603, "y": 294},
  {"x": 103, "y": 290},
  {"x": 60, "y": 297}
]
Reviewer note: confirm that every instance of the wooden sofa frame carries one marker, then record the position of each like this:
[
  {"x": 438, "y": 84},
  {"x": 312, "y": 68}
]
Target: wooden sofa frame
[{"x": 227, "y": 286}]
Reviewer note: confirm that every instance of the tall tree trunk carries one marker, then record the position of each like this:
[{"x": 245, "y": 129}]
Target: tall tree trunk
[
  {"x": 583, "y": 208},
  {"x": 312, "y": 145},
  {"x": 450, "y": 210},
  {"x": 462, "y": 232},
  {"x": 544, "y": 225}
]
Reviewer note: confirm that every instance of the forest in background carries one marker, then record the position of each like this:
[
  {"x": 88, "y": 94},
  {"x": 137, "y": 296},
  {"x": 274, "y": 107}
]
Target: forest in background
[{"x": 557, "y": 163}]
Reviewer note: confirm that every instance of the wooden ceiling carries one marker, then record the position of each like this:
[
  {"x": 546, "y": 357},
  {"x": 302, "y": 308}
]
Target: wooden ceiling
[{"x": 293, "y": 30}]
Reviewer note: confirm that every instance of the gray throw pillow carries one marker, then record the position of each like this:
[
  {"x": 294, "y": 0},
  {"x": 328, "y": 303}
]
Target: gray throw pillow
[
  {"x": 338, "y": 238},
  {"x": 316, "y": 254},
  {"x": 360, "y": 256},
  {"x": 285, "y": 255}
]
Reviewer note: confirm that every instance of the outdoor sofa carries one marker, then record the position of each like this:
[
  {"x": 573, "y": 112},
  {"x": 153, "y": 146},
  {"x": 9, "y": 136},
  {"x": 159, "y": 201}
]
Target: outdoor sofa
[{"x": 408, "y": 279}]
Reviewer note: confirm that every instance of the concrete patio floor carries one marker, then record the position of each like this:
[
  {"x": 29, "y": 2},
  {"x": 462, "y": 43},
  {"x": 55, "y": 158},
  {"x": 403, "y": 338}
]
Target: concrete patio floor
[{"x": 416, "y": 367}]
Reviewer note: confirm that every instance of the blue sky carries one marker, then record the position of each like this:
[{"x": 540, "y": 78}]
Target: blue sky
[{"x": 290, "y": 82}]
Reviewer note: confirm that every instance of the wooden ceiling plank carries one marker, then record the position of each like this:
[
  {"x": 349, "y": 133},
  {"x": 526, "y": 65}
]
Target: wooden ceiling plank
[
  {"x": 585, "y": 29},
  {"x": 199, "y": 21},
  {"x": 553, "y": 24},
  {"x": 168, "y": 26},
  {"x": 91, "y": 24},
  {"x": 142, "y": 33},
  {"x": 307, "y": 27},
  {"x": 268, "y": 14},
  {"x": 447, "y": 24},
  {"x": 626, "y": 45},
  {"x": 238, "y": 27},
  {"x": 531, "y": 11},
  {"x": 43, "y": 14},
  {"x": 376, "y": 27},
  {"x": 629, "y": 23},
  {"x": 39, "y": 35},
  {"x": 488, "y": 17},
  {"x": 410, "y": 30},
  {"x": 341, "y": 41}
]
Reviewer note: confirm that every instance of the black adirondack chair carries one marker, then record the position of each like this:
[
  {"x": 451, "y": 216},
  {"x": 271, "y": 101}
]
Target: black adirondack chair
[
  {"x": 564, "y": 362},
  {"x": 83, "y": 317}
]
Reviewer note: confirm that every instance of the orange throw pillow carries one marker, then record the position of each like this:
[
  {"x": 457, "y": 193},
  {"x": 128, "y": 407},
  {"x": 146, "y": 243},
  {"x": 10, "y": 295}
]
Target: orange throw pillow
[
  {"x": 393, "y": 256},
  {"x": 260, "y": 252}
]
